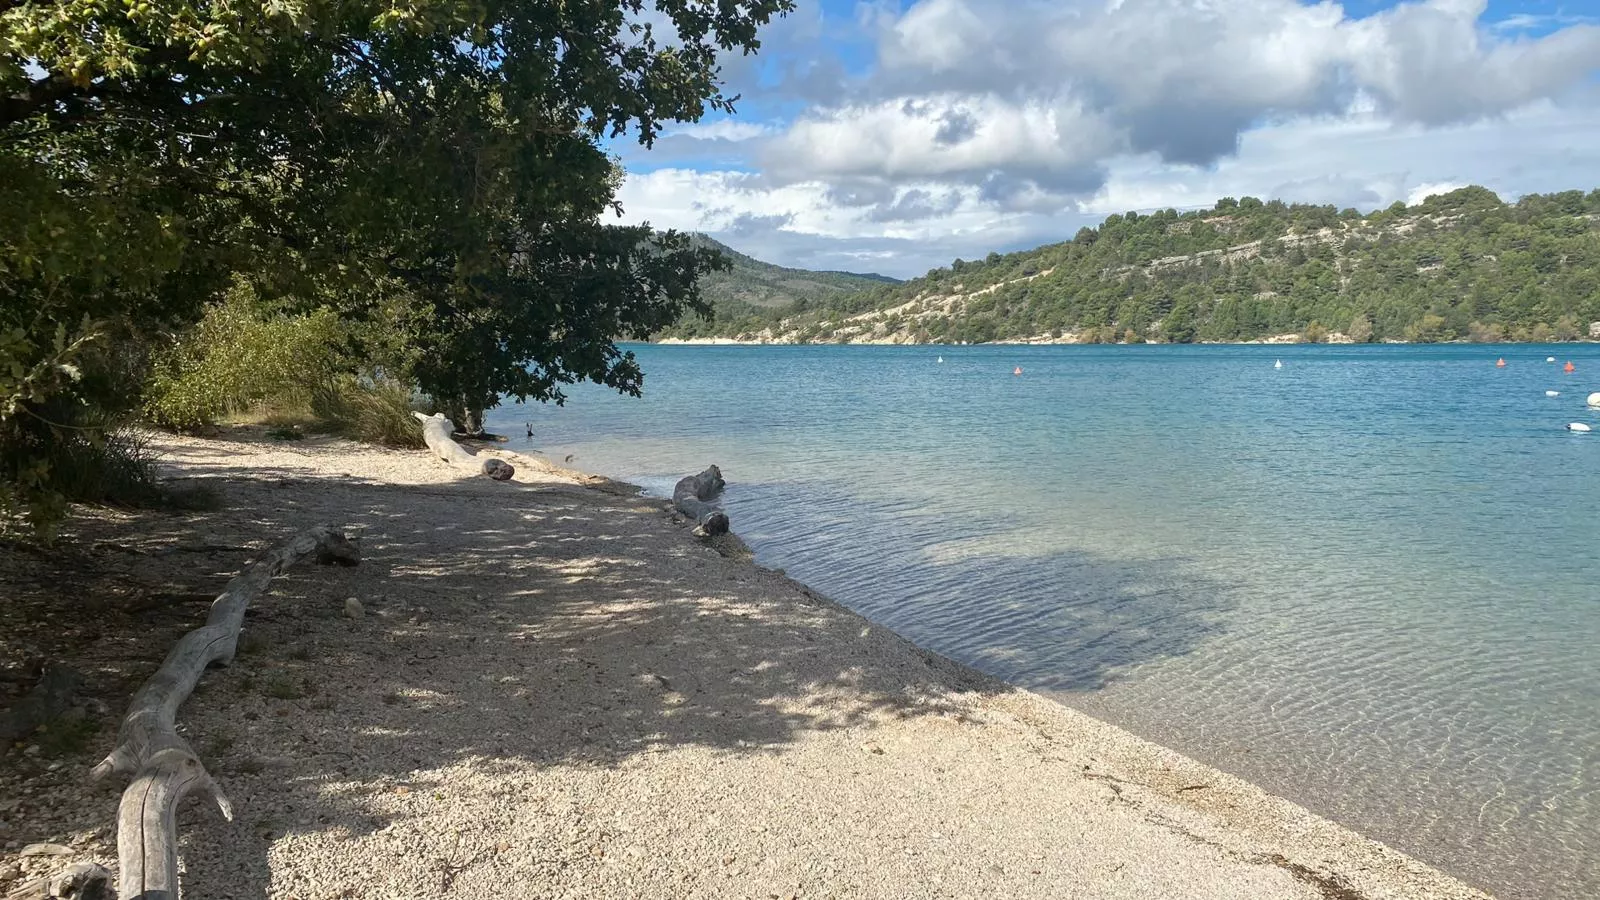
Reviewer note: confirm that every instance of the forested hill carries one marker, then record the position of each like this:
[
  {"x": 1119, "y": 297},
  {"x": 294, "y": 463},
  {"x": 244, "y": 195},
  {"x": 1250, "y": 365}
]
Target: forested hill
[
  {"x": 741, "y": 296},
  {"x": 1459, "y": 265}
]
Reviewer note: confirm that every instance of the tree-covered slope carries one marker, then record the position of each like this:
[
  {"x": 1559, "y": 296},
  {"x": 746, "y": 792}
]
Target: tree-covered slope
[
  {"x": 741, "y": 296},
  {"x": 1459, "y": 265}
]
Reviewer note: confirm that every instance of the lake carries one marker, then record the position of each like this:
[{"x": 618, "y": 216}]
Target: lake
[{"x": 1368, "y": 581}]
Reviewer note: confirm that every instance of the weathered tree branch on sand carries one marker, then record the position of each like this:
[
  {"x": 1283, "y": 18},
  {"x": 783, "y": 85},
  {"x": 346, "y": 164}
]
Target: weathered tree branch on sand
[
  {"x": 436, "y": 432},
  {"x": 690, "y": 496},
  {"x": 163, "y": 766},
  {"x": 47, "y": 701},
  {"x": 80, "y": 881}
]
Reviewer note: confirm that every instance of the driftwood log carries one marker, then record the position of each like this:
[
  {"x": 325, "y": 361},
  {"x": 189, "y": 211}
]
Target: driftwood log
[
  {"x": 436, "y": 433},
  {"x": 691, "y": 497},
  {"x": 163, "y": 766}
]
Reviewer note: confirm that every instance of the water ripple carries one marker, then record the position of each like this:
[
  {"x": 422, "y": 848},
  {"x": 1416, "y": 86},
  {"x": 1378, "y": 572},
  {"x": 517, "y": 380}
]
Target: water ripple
[{"x": 1365, "y": 581}]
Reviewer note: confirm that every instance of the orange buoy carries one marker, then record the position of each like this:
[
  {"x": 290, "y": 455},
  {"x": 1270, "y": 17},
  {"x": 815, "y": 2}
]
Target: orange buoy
[
  {"x": 1018, "y": 370},
  {"x": 1569, "y": 368},
  {"x": 1500, "y": 363}
]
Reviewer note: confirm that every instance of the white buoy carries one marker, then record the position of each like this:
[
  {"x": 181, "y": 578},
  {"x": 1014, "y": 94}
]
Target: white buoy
[
  {"x": 1552, "y": 393},
  {"x": 941, "y": 359},
  {"x": 1549, "y": 359},
  {"x": 1594, "y": 400},
  {"x": 1278, "y": 364},
  {"x": 1579, "y": 427}
]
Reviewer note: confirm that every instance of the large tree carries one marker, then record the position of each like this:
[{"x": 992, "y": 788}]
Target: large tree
[{"x": 433, "y": 165}]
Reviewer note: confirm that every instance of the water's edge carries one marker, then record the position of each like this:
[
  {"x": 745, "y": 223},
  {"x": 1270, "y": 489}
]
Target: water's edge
[
  {"x": 1359, "y": 581},
  {"x": 1253, "y": 810}
]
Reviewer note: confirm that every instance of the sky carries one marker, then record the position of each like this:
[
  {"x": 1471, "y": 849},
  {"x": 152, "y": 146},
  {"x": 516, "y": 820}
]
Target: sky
[{"x": 895, "y": 137}]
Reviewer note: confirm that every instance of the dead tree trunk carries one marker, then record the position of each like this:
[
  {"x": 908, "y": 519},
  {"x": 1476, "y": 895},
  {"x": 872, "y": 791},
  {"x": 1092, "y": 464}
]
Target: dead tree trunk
[
  {"x": 436, "y": 434},
  {"x": 690, "y": 498},
  {"x": 163, "y": 766}
]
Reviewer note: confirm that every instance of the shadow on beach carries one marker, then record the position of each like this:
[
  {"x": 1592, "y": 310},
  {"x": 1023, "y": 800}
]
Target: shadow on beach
[{"x": 504, "y": 627}]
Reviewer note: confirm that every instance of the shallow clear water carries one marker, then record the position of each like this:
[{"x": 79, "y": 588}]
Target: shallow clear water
[{"x": 1368, "y": 581}]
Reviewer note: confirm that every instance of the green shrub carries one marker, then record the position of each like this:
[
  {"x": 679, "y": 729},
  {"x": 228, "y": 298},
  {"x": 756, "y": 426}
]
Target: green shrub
[
  {"x": 1479, "y": 333},
  {"x": 1429, "y": 329},
  {"x": 80, "y": 457},
  {"x": 115, "y": 468},
  {"x": 373, "y": 410},
  {"x": 243, "y": 357},
  {"x": 238, "y": 358}
]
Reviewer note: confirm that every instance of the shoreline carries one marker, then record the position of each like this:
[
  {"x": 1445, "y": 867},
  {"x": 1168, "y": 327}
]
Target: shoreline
[
  {"x": 690, "y": 723},
  {"x": 1276, "y": 340}
]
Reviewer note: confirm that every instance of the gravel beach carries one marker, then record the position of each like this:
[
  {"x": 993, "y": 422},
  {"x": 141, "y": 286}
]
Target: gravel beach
[{"x": 549, "y": 688}]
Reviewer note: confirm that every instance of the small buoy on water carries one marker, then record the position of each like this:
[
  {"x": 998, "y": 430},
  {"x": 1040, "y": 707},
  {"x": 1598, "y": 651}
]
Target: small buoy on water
[
  {"x": 1017, "y": 371},
  {"x": 1594, "y": 400},
  {"x": 1569, "y": 368},
  {"x": 1278, "y": 364},
  {"x": 1500, "y": 363},
  {"x": 1552, "y": 393},
  {"x": 1549, "y": 359},
  {"x": 1578, "y": 427},
  {"x": 941, "y": 359}
]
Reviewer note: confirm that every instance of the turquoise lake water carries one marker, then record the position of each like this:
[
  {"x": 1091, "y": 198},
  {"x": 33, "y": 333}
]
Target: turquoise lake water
[{"x": 1368, "y": 581}]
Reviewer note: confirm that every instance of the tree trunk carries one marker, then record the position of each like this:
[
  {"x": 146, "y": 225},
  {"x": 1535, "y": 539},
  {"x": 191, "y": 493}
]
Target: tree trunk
[
  {"x": 164, "y": 767},
  {"x": 690, "y": 497}
]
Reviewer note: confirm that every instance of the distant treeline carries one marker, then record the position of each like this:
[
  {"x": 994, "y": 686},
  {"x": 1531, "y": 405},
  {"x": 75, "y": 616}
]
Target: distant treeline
[{"x": 1462, "y": 265}]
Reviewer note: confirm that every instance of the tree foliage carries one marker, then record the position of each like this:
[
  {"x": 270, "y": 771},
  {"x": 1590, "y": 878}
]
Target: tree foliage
[{"x": 435, "y": 167}]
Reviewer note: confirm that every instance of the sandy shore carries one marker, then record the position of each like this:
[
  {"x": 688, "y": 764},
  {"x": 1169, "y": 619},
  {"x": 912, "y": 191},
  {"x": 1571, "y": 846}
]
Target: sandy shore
[{"x": 556, "y": 691}]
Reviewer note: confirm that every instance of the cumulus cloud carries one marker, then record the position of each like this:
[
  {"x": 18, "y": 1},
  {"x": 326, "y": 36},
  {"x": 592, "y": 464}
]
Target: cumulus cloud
[
  {"x": 1366, "y": 162},
  {"x": 955, "y": 127},
  {"x": 1053, "y": 142},
  {"x": 1046, "y": 93},
  {"x": 1430, "y": 63},
  {"x": 732, "y": 201},
  {"x": 915, "y": 204},
  {"x": 747, "y": 223}
]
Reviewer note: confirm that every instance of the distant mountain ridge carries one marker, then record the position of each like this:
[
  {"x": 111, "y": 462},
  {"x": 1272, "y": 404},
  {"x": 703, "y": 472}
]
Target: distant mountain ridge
[
  {"x": 740, "y": 297},
  {"x": 1461, "y": 265}
]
